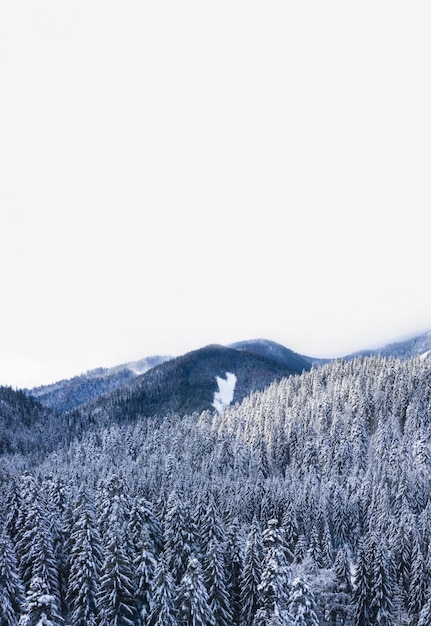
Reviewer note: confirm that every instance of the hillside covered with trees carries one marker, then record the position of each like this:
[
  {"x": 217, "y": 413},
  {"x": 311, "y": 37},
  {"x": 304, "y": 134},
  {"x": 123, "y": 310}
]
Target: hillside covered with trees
[{"x": 307, "y": 503}]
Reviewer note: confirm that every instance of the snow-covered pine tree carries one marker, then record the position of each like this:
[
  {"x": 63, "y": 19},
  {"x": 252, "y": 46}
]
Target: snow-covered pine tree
[
  {"x": 425, "y": 614},
  {"x": 112, "y": 502},
  {"x": 142, "y": 515},
  {"x": 418, "y": 582},
  {"x": 275, "y": 580},
  {"x": 11, "y": 588},
  {"x": 382, "y": 590},
  {"x": 339, "y": 605},
  {"x": 213, "y": 541},
  {"x": 290, "y": 525},
  {"x": 302, "y": 606},
  {"x": 361, "y": 587},
  {"x": 163, "y": 593},
  {"x": 85, "y": 562},
  {"x": 35, "y": 549},
  {"x": 300, "y": 551},
  {"x": 116, "y": 593},
  {"x": 144, "y": 565},
  {"x": 180, "y": 536},
  {"x": 12, "y": 505},
  {"x": 252, "y": 572},
  {"x": 234, "y": 563},
  {"x": 192, "y": 599},
  {"x": 40, "y": 607}
]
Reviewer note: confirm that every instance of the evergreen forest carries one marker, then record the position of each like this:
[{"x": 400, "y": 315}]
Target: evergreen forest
[{"x": 307, "y": 503}]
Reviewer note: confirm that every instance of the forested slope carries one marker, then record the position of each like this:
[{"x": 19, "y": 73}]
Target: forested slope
[
  {"x": 27, "y": 427},
  {"x": 183, "y": 385},
  {"x": 66, "y": 395},
  {"x": 308, "y": 503}
]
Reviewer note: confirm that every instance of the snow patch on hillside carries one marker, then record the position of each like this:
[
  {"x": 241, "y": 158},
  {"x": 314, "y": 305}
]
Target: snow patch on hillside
[{"x": 226, "y": 389}]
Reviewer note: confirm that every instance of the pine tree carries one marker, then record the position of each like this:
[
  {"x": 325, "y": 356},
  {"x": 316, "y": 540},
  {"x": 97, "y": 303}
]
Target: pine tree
[
  {"x": 290, "y": 525},
  {"x": 215, "y": 581},
  {"x": 250, "y": 594},
  {"x": 362, "y": 587},
  {"x": 144, "y": 565},
  {"x": 116, "y": 593},
  {"x": 35, "y": 550},
  {"x": 418, "y": 582},
  {"x": 142, "y": 516},
  {"x": 180, "y": 536},
  {"x": 300, "y": 551},
  {"x": 339, "y": 517},
  {"x": 40, "y": 607},
  {"x": 214, "y": 571},
  {"x": 425, "y": 614},
  {"x": 192, "y": 599},
  {"x": 314, "y": 551},
  {"x": 162, "y": 605},
  {"x": 12, "y": 507},
  {"x": 275, "y": 580},
  {"x": 302, "y": 606},
  {"x": 112, "y": 503},
  {"x": 382, "y": 587},
  {"x": 402, "y": 544},
  {"x": 11, "y": 588},
  {"x": 55, "y": 504},
  {"x": 85, "y": 561},
  {"x": 234, "y": 567},
  {"x": 339, "y": 607}
]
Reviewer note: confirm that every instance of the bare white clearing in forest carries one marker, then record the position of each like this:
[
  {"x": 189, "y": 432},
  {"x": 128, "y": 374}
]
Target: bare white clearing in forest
[{"x": 224, "y": 395}]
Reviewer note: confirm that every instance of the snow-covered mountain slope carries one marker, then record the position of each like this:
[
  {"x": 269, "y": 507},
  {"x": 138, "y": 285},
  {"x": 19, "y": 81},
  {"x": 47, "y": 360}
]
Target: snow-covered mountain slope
[
  {"x": 419, "y": 345},
  {"x": 26, "y": 426},
  {"x": 69, "y": 394},
  {"x": 278, "y": 353},
  {"x": 186, "y": 384},
  {"x": 66, "y": 395}
]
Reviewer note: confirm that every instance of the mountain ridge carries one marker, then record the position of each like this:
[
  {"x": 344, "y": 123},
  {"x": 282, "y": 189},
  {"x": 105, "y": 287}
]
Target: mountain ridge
[
  {"x": 418, "y": 345},
  {"x": 187, "y": 384},
  {"x": 69, "y": 394}
]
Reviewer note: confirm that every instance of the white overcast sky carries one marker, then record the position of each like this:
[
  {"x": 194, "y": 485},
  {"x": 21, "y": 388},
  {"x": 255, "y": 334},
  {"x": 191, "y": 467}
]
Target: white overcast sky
[{"x": 177, "y": 173}]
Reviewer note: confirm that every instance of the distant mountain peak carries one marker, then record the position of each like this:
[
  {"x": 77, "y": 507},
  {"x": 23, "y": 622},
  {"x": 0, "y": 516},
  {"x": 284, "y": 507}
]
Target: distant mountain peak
[
  {"x": 277, "y": 353},
  {"x": 418, "y": 345},
  {"x": 65, "y": 395},
  {"x": 261, "y": 361}
]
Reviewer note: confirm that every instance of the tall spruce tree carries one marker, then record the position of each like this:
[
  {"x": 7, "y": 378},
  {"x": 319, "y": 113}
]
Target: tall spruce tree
[
  {"x": 252, "y": 573},
  {"x": 163, "y": 593},
  {"x": 362, "y": 587},
  {"x": 234, "y": 563},
  {"x": 85, "y": 562},
  {"x": 144, "y": 564},
  {"x": 192, "y": 599},
  {"x": 275, "y": 579},
  {"x": 180, "y": 536},
  {"x": 213, "y": 541},
  {"x": 302, "y": 606},
  {"x": 116, "y": 593},
  {"x": 40, "y": 606},
  {"x": 11, "y": 588},
  {"x": 382, "y": 584}
]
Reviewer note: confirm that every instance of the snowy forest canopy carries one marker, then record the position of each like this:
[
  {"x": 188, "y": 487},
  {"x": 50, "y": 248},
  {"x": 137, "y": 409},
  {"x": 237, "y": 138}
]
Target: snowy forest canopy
[{"x": 309, "y": 503}]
